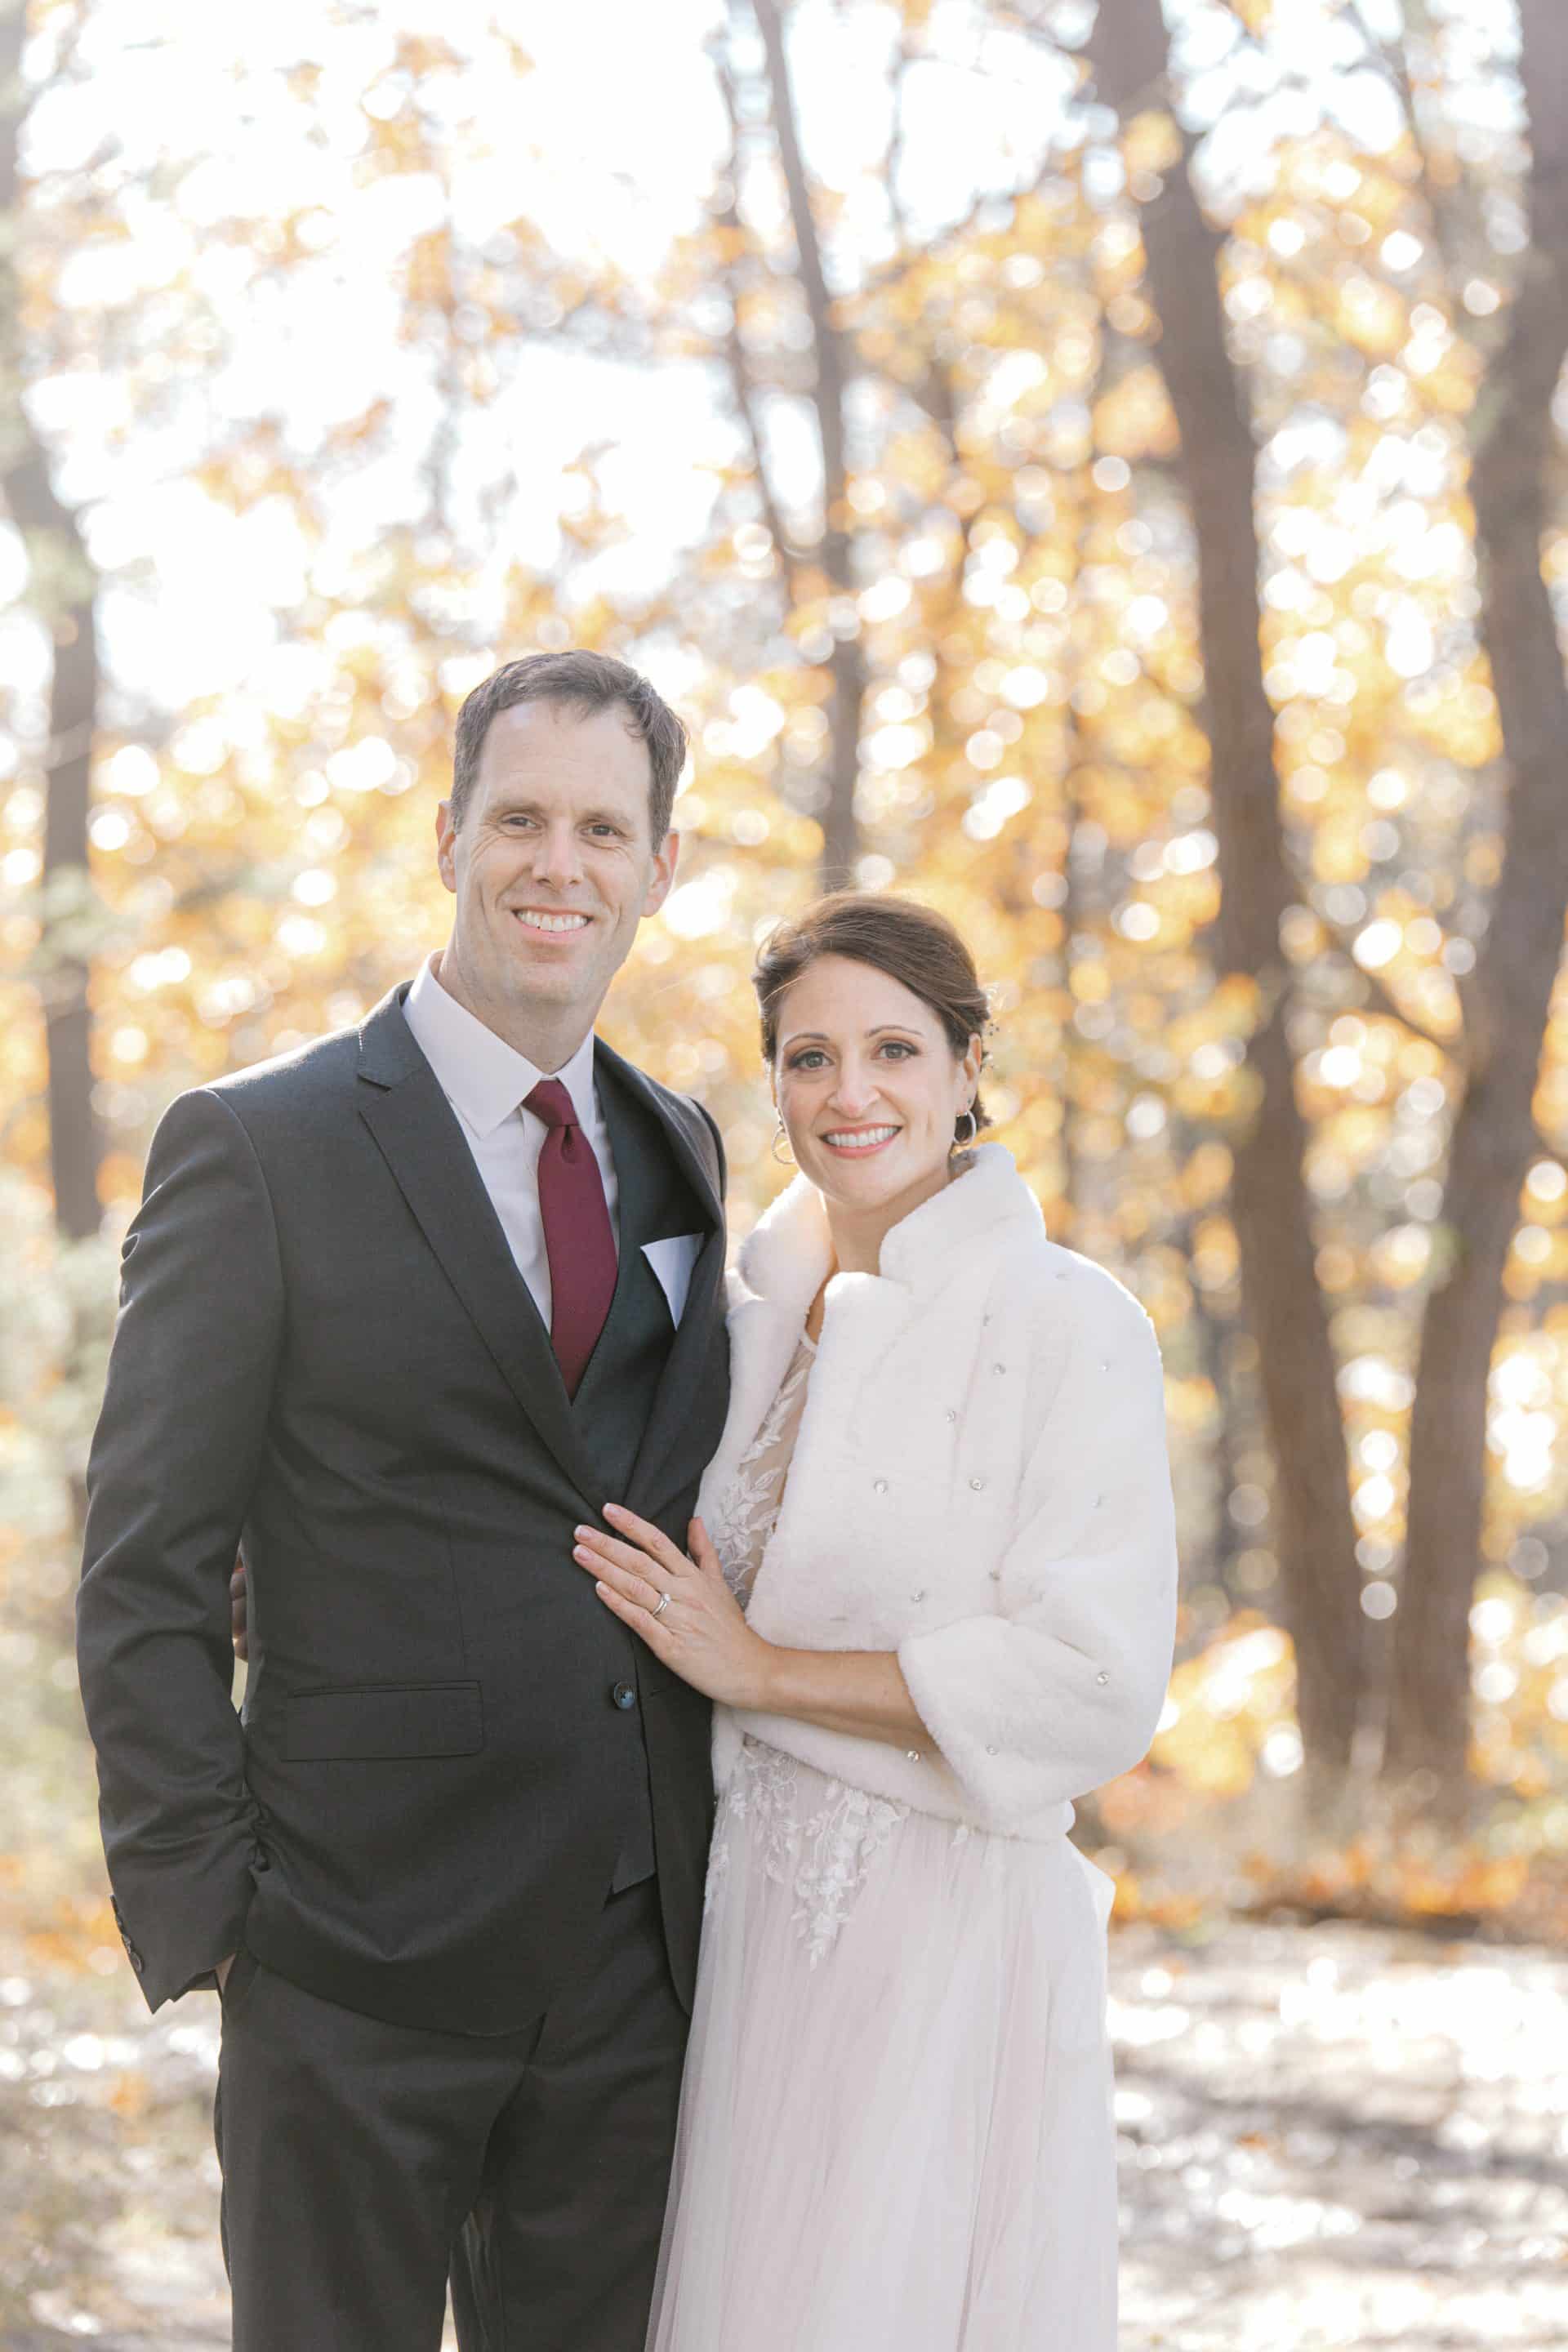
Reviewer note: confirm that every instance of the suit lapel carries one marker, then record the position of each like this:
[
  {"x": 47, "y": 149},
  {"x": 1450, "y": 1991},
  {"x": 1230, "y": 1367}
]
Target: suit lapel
[
  {"x": 418, "y": 1136},
  {"x": 639, "y": 1186},
  {"x": 612, "y": 1065},
  {"x": 664, "y": 1462}
]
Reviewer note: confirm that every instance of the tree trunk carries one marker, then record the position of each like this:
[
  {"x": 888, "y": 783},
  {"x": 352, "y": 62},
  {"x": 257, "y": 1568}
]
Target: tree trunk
[
  {"x": 1129, "y": 56},
  {"x": 64, "y": 593},
  {"x": 1494, "y": 1135},
  {"x": 840, "y": 825}
]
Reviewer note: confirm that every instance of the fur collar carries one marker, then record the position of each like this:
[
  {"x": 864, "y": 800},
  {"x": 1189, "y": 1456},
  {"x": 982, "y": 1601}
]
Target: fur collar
[
  {"x": 789, "y": 1250},
  {"x": 986, "y": 1209}
]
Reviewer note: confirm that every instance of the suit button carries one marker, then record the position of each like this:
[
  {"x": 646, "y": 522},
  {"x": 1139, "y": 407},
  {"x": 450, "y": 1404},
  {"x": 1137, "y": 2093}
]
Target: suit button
[{"x": 623, "y": 1695}]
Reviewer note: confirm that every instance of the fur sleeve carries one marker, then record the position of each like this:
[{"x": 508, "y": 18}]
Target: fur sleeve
[{"x": 1062, "y": 1689}]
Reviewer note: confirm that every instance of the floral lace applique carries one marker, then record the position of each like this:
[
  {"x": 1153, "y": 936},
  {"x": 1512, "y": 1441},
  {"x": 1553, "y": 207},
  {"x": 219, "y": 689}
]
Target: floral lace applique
[
  {"x": 760, "y": 1790},
  {"x": 742, "y": 1519},
  {"x": 824, "y": 1861}
]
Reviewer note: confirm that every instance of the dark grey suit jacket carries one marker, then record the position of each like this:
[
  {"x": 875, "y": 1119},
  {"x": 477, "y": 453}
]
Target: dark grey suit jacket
[{"x": 325, "y": 1347}]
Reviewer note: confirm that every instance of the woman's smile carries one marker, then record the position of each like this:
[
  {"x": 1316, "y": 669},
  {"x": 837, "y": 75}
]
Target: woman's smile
[{"x": 859, "y": 1142}]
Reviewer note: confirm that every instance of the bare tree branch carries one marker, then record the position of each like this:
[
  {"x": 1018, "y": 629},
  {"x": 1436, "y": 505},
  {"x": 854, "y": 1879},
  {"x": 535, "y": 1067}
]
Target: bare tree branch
[
  {"x": 742, "y": 388},
  {"x": 1393, "y": 58},
  {"x": 64, "y": 593},
  {"x": 834, "y": 364},
  {"x": 1378, "y": 997},
  {"x": 895, "y": 156}
]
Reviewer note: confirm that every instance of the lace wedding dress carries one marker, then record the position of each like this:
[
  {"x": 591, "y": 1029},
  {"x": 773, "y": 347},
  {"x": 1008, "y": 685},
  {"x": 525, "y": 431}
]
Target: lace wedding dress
[{"x": 895, "y": 2127}]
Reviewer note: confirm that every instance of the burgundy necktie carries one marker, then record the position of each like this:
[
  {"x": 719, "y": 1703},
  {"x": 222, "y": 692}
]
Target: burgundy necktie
[{"x": 578, "y": 1239}]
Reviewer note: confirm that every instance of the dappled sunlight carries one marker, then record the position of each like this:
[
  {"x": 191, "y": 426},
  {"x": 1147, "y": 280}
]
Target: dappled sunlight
[
  {"x": 1385, "y": 2113},
  {"x": 1145, "y": 605}
]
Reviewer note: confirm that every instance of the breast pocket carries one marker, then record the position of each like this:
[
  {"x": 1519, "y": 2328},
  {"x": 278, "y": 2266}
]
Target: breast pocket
[{"x": 384, "y": 1721}]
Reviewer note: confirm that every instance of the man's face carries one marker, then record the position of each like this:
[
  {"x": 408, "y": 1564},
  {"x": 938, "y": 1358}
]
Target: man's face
[{"x": 553, "y": 868}]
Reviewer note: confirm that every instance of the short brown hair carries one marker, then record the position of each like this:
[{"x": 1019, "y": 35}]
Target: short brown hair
[
  {"x": 910, "y": 943},
  {"x": 586, "y": 683}
]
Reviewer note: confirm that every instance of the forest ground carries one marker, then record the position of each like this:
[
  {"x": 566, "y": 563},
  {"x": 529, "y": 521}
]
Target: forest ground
[{"x": 1329, "y": 2135}]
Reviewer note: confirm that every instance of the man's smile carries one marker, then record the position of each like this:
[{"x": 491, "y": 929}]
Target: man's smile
[{"x": 539, "y": 918}]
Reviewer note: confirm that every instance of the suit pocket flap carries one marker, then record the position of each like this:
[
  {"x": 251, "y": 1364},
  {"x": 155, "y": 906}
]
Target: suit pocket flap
[{"x": 390, "y": 1719}]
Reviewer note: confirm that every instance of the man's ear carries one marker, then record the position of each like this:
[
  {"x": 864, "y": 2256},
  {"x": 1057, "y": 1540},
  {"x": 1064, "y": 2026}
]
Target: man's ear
[
  {"x": 445, "y": 835},
  {"x": 666, "y": 858}
]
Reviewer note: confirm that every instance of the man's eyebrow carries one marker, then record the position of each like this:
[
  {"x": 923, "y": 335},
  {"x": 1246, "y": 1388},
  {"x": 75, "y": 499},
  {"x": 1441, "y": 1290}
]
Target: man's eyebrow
[{"x": 517, "y": 806}]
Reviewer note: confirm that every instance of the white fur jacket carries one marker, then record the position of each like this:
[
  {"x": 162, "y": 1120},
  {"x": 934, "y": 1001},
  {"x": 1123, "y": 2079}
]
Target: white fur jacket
[{"x": 980, "y": 1483}]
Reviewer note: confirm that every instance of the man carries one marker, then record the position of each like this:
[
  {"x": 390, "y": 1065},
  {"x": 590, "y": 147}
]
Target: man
[{"x": 402, "y": 1310}]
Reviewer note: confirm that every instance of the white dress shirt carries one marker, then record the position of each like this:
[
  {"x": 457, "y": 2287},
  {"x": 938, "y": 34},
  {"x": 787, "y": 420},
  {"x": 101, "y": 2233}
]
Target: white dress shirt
[{"x": 486, "y": 1081}]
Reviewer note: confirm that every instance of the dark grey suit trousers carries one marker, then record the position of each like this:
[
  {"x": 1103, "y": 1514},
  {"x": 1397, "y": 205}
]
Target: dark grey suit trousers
[{"x": 362, "y": 2162}]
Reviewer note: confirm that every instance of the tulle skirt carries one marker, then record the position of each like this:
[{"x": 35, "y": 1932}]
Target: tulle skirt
[{"x": 896, "y": 2130}]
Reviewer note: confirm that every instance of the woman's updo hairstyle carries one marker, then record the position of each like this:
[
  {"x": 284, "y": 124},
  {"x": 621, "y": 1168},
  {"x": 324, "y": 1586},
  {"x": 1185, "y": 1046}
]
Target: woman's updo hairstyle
[{"x": 910, "y": 943}]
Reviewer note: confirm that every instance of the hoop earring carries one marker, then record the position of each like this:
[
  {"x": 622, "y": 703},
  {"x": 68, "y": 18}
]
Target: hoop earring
[
  {"x": 963, "y": 1145},
  {"x": 785, "y": 1158}
]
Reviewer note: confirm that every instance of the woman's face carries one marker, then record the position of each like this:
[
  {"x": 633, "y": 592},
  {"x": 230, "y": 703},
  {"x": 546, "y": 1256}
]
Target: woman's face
[{"x": 868, "y": 1085}]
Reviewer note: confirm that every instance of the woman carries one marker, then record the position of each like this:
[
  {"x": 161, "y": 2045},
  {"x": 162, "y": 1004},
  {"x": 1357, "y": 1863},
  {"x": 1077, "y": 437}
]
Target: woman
[{"x": 932, "y": 1591}]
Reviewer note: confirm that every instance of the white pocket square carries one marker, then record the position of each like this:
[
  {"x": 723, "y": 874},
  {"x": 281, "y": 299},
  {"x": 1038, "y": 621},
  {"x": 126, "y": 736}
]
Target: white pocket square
[{"x": 672, "y": 1261}]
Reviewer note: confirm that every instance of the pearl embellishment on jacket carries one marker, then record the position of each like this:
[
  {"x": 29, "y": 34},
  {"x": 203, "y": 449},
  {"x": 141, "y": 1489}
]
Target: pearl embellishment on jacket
[{"x": 1079, "y": 1560}]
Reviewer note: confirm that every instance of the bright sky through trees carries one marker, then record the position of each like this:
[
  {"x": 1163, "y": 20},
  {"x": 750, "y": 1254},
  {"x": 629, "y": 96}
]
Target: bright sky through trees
[{"x": 608, "y": 147}]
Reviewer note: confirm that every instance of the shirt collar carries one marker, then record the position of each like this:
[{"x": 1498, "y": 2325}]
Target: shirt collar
[{"x": 483, "y": 1078}]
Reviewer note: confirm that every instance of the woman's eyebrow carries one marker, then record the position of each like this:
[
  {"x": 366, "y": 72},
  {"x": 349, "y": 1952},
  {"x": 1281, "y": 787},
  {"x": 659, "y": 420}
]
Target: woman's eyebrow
[{"x": 815, "y": 1037}]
